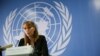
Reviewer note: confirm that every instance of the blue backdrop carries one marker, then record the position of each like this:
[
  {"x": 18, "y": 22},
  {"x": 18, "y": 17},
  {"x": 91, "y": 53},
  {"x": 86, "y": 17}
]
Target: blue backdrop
[{"x": 85, "y": 35}]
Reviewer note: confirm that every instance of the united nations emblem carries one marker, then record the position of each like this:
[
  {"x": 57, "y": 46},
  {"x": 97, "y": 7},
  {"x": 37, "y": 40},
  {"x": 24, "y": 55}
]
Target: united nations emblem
[{"x": 52, "y": 20}]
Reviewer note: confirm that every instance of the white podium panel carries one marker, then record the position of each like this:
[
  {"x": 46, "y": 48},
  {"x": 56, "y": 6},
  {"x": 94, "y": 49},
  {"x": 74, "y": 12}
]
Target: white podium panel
[{"x": 19, "y": 51}]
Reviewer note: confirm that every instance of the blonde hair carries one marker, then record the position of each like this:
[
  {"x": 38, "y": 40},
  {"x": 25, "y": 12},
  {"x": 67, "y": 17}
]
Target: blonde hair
[{"x": 27, "y": 40}]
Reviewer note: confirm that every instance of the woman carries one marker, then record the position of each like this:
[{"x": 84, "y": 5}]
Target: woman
[{"x": 38, "y": 42}]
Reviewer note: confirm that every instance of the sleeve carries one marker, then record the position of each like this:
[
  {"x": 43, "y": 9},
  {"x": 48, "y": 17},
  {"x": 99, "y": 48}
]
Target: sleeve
[
  {"x": 0, "y": 52},
  {"x": 21, "y": 42},
  {"x": 45, "y": 48}
]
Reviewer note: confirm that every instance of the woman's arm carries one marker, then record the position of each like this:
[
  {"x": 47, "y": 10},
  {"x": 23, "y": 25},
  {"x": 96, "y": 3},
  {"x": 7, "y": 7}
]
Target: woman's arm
[{"x": 45, "y": 48}]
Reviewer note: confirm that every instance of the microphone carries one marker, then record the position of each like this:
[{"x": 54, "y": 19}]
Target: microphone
[{"x": 5, "y": 47}]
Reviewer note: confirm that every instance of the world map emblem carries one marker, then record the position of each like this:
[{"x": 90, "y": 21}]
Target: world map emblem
[{"x": 52, "y": 20}]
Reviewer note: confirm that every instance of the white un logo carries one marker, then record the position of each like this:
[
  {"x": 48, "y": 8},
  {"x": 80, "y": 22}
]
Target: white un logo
[{"x": 53, "y": 21}]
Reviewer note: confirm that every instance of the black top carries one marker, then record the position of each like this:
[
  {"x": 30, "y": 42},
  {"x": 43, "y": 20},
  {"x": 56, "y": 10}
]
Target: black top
[
  {"x": 1, "y": 51},
  {"x": 40, "y": 49}
]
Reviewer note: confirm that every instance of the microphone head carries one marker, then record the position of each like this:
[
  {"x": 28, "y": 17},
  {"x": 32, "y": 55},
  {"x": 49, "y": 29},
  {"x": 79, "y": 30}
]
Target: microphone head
[{"x": 7, "y": 46}]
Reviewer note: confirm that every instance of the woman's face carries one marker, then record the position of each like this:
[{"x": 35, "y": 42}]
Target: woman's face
[{"x": 29, "y": 31}]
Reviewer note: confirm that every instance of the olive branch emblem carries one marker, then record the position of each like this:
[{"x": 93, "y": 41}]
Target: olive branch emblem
[
  {"x": 64, "y": 39},
  {"x": 7, "y": 27}
]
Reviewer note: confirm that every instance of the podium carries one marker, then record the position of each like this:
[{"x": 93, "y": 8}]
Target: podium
[{"x": 19, "y": 51}]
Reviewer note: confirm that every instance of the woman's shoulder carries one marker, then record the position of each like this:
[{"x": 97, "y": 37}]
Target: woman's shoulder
[
  {"x": 21, "y": 42},
  {"x": 41, "y": 37},
  {"x": 22, "y": 39}
]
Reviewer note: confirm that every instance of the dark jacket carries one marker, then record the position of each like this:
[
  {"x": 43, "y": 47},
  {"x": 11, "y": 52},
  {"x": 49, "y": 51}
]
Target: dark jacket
[
  {"x": 0, "y": 51},
  {"x": 41, "y": 48}
]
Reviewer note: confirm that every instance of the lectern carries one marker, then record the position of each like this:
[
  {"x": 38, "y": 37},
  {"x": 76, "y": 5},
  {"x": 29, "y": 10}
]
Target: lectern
[{"x": 19, "y": 51}]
